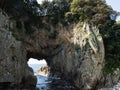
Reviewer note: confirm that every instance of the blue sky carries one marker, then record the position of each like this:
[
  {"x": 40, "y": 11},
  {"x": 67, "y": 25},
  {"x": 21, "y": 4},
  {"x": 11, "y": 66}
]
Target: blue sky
[{"x": 115, "y": 4}]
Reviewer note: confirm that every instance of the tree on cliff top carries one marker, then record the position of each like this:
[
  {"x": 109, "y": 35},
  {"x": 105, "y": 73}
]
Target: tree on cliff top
[
  {"x": 95, "y": 11},
  {"x": 18, "y": 7},
  {"x": 103, "y": 16}
]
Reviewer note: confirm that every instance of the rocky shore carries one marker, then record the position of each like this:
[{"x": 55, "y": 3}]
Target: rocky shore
[{"x": 44, "y": 71}]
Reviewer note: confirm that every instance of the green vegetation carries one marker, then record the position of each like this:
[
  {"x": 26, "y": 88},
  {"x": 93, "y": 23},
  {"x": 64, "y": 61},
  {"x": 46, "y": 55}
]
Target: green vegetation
[
  {"x": 56, "y": 9},
  {"x": 103, "y": 16},
  {"x": 18, "y": 8},
  {"x": 93, "y": 11},
  {"x": 112, "y": 48}
]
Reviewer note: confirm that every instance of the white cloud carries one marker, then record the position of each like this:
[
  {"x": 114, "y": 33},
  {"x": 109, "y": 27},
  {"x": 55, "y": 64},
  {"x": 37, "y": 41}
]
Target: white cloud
[{"x": 35, "y": 61}]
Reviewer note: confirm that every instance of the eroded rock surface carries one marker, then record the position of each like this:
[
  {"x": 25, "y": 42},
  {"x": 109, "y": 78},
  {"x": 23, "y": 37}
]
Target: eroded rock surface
[
  {"x": 77, "y": 51},
  {"x": 74, "y": 52},
  {"x": 44, "y": 71},
  {"x": 82, "y": 57},
  {"x": 13, "y": 63}
]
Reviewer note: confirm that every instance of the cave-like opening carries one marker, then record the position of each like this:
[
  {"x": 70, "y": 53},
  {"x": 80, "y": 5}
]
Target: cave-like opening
[
  {"x": 39, "y": 66},
  {"x": 47, "y": 82},
  {"x": 41, "y": 71}
]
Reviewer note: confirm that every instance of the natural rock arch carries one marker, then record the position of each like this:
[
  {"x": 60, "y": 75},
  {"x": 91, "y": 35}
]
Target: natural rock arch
[{"x": 76, "y": 51}]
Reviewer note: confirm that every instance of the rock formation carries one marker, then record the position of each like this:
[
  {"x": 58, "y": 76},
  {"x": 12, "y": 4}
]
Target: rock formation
[
  {"x": 81, "y": 57},
  {"x": 44, "y": 71},
  {"x": 13, "y": 63},
  {"x": 74, "y": 52}
]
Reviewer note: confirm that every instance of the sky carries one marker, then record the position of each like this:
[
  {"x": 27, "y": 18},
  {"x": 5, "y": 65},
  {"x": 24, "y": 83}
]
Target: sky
[
  {"x": 115, "y": 4},
  {"x": 35, "y": 61},
  {"x": 39, "y": 1}
]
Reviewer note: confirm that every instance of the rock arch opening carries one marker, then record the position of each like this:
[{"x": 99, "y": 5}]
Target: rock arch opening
[
  {"x": 41, "y": 71},
  {"x": 36, "y": 64}
]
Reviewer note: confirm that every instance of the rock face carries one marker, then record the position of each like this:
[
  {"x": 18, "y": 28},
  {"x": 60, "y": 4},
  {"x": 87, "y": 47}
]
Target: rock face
[
  {"x": 82, "y": 58},
  {"x": 44, "y": 71},
  {"x": 74, "y": 52},
  {"x": 13, "y": 63},
  {"x": 11, "y": 53},
  {"x": 77, "y": 51}
]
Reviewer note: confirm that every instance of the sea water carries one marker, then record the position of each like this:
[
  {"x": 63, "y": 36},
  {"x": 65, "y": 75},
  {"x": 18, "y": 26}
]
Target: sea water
[{"x": 50, "y": 83}]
